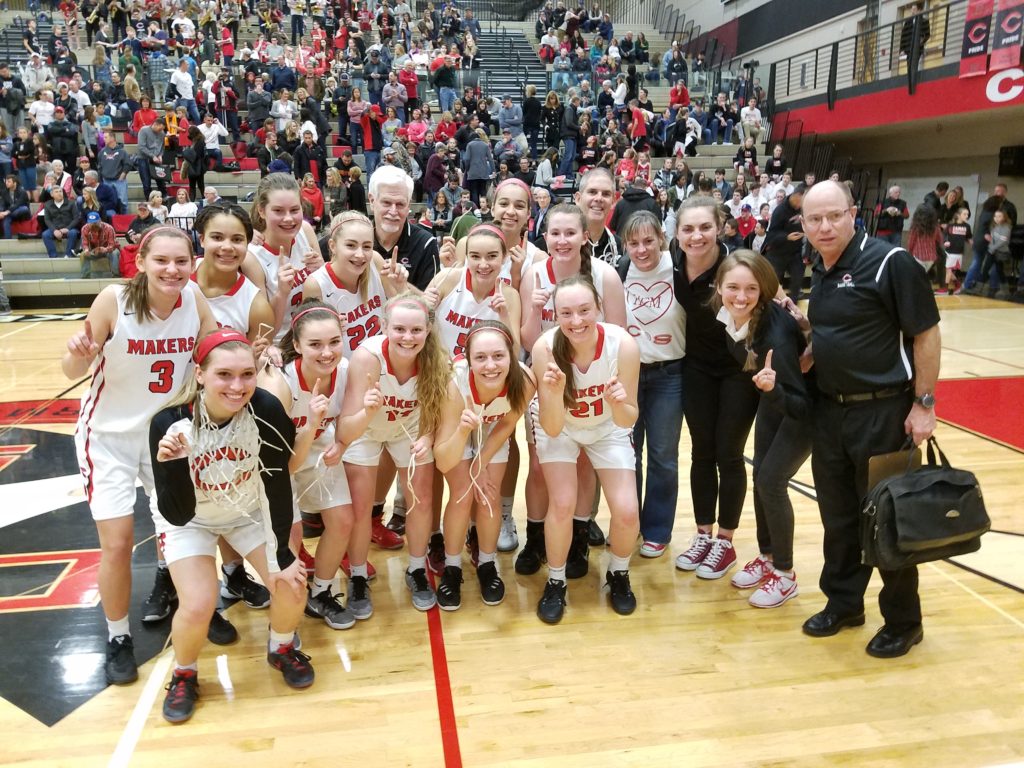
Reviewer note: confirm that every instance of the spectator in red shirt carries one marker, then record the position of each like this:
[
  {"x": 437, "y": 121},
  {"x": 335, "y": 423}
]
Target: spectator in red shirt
[{"x": 678, "y": 98}]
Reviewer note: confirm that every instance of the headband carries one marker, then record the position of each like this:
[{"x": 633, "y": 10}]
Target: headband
[
  {"x": 481, "y": 228},
  {"x": 478, "y": 327},
  {"x": 345, "y": 218},
  {"x": 214, "y": 340},
  {"x": 164, "y": 229},
  {"x": 410, "y": 299},
  {"x": 518, "y": 183},
  {"x": 296, "y": 317}
]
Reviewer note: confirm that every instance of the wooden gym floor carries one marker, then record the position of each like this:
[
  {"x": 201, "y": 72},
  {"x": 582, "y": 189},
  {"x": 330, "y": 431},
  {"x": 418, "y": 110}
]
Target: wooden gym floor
[{"x": 695, "y": 678}]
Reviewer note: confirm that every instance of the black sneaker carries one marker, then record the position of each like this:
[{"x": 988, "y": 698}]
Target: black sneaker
[
  {"x": 533, "y": 553},
  {"x": 328, "y": 607},
  {"x": 577, "y": 564},
  {"x": 294, "y": 665},
  {"x": 623, "y": 599},
  {"x": 435, "y": 554},
  {"x": 492, "y": 588},
  {"x": 449, "y": 591},
  {"x": 595, "y": 534},
  {"x": 221, "y": 631},
  {"x": 160, "y": 601},
  {"x": 182, "y": 694},
  {"x": 241, "y": 586},
  {"x": 312, "y": 525},
  {"x": 120, "y": 666},
  {"x": 359, "y": 601},
  {"x": 473, "y": 545},
  {"x": 396, "y": 524},
  {"x": 552, "y": 605}
]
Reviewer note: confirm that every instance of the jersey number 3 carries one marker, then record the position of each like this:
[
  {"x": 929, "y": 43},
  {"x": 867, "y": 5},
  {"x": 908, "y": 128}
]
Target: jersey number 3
[{"x": 164, "y": 371}]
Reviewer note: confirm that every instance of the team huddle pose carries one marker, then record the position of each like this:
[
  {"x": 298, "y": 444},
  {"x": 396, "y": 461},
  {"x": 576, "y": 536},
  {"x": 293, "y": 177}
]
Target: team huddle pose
[{"x": 262, "y": 380}]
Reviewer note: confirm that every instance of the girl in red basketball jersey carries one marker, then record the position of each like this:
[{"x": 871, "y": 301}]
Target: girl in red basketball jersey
[
  {"x": 140, "y": 337},
  {"x": 487, "y": 394}
]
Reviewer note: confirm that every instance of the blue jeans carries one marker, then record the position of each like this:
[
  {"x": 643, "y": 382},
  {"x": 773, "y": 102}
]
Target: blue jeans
[
  {"x": 372, "y": 159},
  {"x": 27, "y": 177},
  {"x": 568, "y": 158},
  {"x": 121, "y": 187},
  {"x": 447, "y": 99},
  {"x": 975, "y": 274},
  {"x": 191, "y": 108},
  {"x": 71, "y": 240},
  {"x": 895, "y": 238},
  {"x": 18, "y": 214},
  {"x": 357, "y": 136},
  {"x": 560, "y": 81},
  {"x": 726, "y": 133},
  {"x": 660, "y": 399}
]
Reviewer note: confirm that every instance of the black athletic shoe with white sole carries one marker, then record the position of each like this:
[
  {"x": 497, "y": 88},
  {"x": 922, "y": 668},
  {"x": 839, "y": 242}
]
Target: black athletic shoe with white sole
[
  {"x": 449, "y": 591},
  {"x": 120, "y": 667},
  {"x": 551, "y": 607},
  {"x": 163, "y": 597},
  {"x": 622, "y": 597},
  {"x": 221, "y": 631},
  {"x": 492, "y": 588},
  {"x": 239, "y": 585}
]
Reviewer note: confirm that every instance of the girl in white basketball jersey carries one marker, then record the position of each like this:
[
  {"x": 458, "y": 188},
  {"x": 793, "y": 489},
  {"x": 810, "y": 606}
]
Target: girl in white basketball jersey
[
  {"x": 311, "y": 386},
  {"x": 569, "y": 254},
  {"x": 218, "y": 448},
  {"x": 397, "y": 385},
  {"x": 356, "y": 283},
  {"x": 141, "y": 336},
  {"x": 488, "y": 393},
  {"x": 225, "y": 231},
  {"x": 587, "y": 373},
  {"x": 287, "y": 251}
]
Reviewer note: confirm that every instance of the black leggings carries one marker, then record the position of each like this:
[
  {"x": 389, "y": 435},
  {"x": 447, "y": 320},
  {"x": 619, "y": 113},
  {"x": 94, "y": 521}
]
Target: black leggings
[{"x": 719, "y": 413}]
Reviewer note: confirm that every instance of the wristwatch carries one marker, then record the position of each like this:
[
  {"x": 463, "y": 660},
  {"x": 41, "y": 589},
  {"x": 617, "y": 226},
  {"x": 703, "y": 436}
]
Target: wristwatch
[{"x": 927, "y": 400}]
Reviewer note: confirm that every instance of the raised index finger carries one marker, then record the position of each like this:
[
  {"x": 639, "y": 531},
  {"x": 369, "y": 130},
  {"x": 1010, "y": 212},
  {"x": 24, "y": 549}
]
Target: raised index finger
[
  {"x": 88, "y": 331},
  {"x": 282, "y": 255},
  {"x": 768, "y": 359}
]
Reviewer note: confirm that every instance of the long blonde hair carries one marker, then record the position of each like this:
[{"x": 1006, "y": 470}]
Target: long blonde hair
[
  {"x": 433, "y": 363},
  {"x": 337, "y": 230}
]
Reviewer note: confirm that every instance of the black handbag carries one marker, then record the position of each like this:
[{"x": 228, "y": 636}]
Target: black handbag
[{"x": 927, "y": 514}]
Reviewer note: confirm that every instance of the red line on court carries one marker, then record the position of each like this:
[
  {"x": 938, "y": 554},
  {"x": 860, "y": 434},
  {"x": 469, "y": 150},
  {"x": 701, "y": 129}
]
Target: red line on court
[{"x": 443, "y": 687}]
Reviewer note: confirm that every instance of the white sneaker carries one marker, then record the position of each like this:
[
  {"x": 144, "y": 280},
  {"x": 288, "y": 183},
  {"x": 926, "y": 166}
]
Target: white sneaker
[
  {"x": 652, "y": 549},
  {"x": 700, "y": 545},
  {"x": 508, "y": 539},
  {"x": 753, "y": 573},
  {"x": 776, "y": 589}
]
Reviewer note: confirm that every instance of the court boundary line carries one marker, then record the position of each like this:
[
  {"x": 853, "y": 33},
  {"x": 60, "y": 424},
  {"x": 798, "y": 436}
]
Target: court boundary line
[
  {"x": 129, "y": 740},
  {"x": 970, "y": 591},
  {"x": 987, "y": 360},
  {"x": 443, "y": 689}
]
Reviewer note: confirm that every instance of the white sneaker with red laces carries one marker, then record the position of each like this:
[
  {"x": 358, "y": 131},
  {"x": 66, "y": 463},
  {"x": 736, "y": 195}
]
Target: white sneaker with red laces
[
  {"x": 700, "y": 545},
  {"x": 776, "y": 589},
  {"x": 719, "y": 559},
  {"x": 753, "y": 573},
  {"x": 652, "y": 549}
]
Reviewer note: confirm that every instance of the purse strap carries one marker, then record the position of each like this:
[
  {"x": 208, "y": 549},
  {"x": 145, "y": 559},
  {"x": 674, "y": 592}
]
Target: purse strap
[{"x": 933, "y": 448}]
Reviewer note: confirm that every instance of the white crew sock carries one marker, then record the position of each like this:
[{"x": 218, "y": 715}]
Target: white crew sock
[{"x": 118, "y": 627}]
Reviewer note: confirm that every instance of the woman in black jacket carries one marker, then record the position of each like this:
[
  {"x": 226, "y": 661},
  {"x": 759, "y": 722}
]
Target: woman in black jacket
[
  {"x": 768, "y": 340},
  {"x": 532, "y": 119},
  {"x": 195, "y": 156},
  {"x": 551, "y": 119}
]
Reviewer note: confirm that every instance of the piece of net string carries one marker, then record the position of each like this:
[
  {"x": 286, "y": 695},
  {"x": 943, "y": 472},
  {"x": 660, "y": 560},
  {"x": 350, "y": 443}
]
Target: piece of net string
[
  {"x": 476, "y": 463},
  {"x": 223, "y": 469}
]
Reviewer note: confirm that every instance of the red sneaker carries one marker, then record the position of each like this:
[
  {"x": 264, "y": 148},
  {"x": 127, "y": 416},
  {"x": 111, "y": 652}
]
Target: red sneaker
[
  {"x": 384, "y": 537},
  {"x": 308, "y": 561},
  {"x": 719, "y": 559},
  {"x": 371, "y": 572}
]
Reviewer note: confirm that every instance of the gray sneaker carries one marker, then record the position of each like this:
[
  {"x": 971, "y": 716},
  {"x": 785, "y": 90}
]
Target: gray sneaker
[
  {"x": 423, "y": 597},
  {"x": 359, "y": 598},
  {"x": 329, "y": 608}
]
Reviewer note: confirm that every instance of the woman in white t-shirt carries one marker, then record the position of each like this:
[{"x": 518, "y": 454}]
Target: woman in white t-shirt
[{"x": 657, "y": 321}]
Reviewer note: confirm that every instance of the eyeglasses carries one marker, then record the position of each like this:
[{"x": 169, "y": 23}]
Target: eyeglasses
[{"x": 815, "y": 220}]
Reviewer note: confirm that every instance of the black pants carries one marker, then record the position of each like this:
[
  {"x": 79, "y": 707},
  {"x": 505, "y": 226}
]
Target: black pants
[
  {"x": 845, "y": 437},
  {"x": 477, "y": 189},
  {"x": 719, "y": 412},
  {"x": 781, "y": 446},
  {"x": 789, "y": 262}
]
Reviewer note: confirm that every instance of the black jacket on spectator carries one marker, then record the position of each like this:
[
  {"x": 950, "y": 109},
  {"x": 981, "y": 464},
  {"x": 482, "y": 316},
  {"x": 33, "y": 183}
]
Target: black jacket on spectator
[
  {"x": 633, "y": 199},
  {"x": 302, "y": 162},
  {"x": 65, "y": 217}
]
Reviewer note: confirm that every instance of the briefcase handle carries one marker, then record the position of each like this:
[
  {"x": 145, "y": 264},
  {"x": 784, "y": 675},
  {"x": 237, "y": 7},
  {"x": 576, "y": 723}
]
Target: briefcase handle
[{"x": 933, "y": 448}]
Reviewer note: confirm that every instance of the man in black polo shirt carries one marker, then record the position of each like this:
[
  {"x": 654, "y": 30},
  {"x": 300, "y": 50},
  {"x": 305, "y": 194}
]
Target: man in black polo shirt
[
  {"x": 393, "y": 233},
  {"x": 876, "y": 354}
]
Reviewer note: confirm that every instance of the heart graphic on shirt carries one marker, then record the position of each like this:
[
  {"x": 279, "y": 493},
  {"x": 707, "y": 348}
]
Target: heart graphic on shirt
[{"x": 648, "y": 302}]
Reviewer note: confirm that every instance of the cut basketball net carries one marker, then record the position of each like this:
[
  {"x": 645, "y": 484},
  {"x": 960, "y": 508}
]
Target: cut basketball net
[{"x": 476, "y": 463}]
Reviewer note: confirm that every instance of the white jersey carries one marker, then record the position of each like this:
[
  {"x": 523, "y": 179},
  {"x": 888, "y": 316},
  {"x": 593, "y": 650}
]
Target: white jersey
[
  {"x": 302, "y": 391},
  {"x": 459, "y": 311},
  {"x": 653, "y": 316},
  {"x": 493, "y": 411},
  {"x": 231, "y": 309},
  {"x": 363, "y": 319},
  {"x": 532, "y": 254},
  {"x": 401, "y": 410},
  {"x": 546, "y": 271},
  {"x": 269, "y": 261},
  {"x": 592, "y": 410},
  {"x": 140, "y": 367}
]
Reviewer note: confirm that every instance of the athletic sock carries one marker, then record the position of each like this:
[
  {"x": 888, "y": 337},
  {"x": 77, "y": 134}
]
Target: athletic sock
[
  {"x": 556, "y": 574},
  {"x": 417, "y": 563},
  {"x": 487, "y": 557},
  {"x": 360, "y": 570},
  {"x": 616, "y": 563},
  {"x": 578, "y": 519},
  {"x": 118, "y": 627},
  {"x": 453, "y": 561},
  {"x": 193, "y": 667},
  {"x": 320, "y": 585},
  {"x": 230, "y": 568},
  {"x": 277, "y": 639}
]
